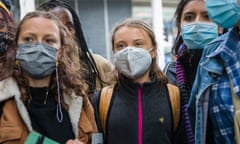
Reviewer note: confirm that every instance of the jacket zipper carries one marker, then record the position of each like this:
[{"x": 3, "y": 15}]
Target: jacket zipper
[{"x": 140, "y": 121}]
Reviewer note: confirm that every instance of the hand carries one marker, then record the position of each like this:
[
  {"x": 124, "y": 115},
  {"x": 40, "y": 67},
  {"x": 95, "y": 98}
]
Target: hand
[{"x": 76, "y": 141}]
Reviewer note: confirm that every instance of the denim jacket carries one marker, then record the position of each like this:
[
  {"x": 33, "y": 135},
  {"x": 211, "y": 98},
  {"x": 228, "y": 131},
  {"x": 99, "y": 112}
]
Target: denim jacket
[{"x": 212, "y": 68}]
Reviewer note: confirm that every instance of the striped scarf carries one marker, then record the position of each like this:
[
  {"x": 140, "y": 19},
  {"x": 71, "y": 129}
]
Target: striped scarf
[{"x": 186, "y": 65}]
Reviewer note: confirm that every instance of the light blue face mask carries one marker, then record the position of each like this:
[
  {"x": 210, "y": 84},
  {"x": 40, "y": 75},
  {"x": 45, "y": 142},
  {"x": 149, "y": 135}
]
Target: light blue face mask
[
  {"x": 225, "y": 13},
  {"x": 199, "y": 34}
]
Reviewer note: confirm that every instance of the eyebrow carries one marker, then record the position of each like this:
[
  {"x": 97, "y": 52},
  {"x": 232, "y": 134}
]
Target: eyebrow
[
  {"x": 188, "y": 12},
  {"x": 138, "y": 39}
]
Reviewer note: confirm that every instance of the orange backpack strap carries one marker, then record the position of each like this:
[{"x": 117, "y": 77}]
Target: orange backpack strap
[
  {"x": 174, "y": 95},
  {"x": 104, "y": 103}
]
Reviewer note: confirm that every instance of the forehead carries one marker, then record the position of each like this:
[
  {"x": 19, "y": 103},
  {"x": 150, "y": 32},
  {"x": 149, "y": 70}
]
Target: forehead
[
  {"x": 194, "y": 6},
  {"x": 129, "y": 33},
  {"x": 40, "y": 25},
  {"x": 62, "y": 13}
]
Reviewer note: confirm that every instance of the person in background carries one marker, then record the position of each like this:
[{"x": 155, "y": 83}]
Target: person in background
[
  {"x": 211, "y": 106},
  {"x": 7, "y": 31},
  {"x": 46, "y": 92},
  {"x": 140, "y": 108},
  {"x": 7, "y": 48},
  {"x": 97, "y": 66},
  {"x": 195, "y": 30}
]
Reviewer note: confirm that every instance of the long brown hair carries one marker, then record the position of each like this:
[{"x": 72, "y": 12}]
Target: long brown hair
[
  {"x": 154, "y": 68},
  {"x": 70, "y": 75}
]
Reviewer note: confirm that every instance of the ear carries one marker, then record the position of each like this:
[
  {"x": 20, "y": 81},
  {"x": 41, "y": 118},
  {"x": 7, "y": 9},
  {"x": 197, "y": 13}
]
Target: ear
[{"x": 154, "y": 53}]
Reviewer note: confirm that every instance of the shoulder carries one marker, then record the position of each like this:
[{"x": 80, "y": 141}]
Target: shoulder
[
  {"x": 8, "y": 89},
  {"x": 105, "y": 92},
  {"x": 12, "y": 126},
  {"x": 170, "y": 72},
  {"x": 101, "y": 61}
]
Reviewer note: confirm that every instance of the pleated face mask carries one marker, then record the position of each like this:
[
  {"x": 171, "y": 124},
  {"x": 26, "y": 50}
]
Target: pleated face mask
[
  {"x": 37, "y": 60},
  {"x": 133, "y": 62},
  {"x": 225, "y": 13},
  {"x": 198, "y": 35}
]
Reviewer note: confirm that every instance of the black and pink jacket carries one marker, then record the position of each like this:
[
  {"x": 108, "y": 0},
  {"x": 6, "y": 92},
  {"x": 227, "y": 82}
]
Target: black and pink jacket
[{"x": 138, "y": 114}]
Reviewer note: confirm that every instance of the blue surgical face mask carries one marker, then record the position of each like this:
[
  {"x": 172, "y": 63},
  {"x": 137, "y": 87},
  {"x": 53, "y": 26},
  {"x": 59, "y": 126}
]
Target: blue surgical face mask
[
  {"x": 197, "y": 35},
  {"x": 37, "y": 60},
  {"x": 225, "y": 13}
]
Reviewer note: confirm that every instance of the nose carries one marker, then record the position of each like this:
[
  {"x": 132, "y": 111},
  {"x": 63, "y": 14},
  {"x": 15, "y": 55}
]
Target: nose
[{"x": 200, "y": 18}]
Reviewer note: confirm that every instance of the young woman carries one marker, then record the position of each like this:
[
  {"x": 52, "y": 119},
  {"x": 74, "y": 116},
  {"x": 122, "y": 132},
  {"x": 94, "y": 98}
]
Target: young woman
[
  {"x": 195, "y": 30},
  {"x": 97, "y": 66},
  {"x": 46, "y": 93},
  {"x": 140, "y": 107},
  {"x": 216, "y": 86}
]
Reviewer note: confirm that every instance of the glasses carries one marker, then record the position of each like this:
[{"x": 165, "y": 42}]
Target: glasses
[{"x": 2, "y": 23}]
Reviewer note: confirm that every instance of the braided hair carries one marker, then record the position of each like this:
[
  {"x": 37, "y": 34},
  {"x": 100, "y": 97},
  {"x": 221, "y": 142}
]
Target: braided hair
[{"x": 84, "y": 54}]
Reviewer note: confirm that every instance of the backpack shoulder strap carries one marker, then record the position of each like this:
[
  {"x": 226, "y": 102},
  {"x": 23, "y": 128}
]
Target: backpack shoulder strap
[
  {"x": 174, "y": 95},
  {"x": 104, "y": 103}
]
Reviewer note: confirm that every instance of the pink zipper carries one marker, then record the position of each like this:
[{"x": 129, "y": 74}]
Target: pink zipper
[{"x": 140, "y": 115}]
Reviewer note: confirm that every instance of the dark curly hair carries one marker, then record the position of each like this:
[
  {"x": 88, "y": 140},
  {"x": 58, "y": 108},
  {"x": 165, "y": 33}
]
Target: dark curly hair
[{"x": 7, "y": 57}]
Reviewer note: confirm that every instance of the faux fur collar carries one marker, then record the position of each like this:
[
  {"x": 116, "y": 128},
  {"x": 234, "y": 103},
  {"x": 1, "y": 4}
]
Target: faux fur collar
[{"x": 9, "y": 89}]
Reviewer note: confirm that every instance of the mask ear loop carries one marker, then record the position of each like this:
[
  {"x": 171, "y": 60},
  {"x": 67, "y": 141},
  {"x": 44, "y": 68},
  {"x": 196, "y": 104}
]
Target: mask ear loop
[{"x": 59, "y": 113}]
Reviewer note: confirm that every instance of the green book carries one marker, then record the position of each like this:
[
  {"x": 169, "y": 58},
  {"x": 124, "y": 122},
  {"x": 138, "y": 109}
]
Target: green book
[{"x": 36, "y": 138}]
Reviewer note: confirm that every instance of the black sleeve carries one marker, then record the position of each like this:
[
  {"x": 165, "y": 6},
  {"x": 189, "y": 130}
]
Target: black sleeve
[
  {"x": 180, "y": 135},
  {"x": 95, "y": 102}
]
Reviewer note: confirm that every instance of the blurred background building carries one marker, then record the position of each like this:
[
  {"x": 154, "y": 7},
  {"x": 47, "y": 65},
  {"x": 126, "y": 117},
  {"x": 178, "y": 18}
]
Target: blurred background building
[{"x": 98, "y": 17}]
